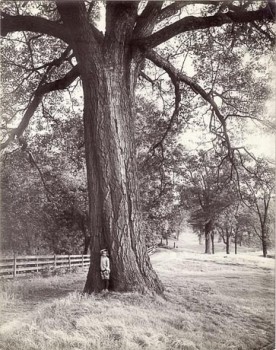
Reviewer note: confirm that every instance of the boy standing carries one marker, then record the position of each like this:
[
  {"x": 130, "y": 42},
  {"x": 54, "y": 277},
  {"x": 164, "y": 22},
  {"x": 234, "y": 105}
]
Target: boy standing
[{"x": 105, "y": 268}]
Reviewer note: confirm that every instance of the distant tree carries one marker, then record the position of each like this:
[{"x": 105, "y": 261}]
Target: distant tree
[
  {"x": 22, "y": 218},
  {"x": 243, "y": 227},
  {"x": 207, "y": 192},
  {"x": 258, "y": 191},
  {"x": 157, "y": 169},
  {"x": 226, "y": 226}
]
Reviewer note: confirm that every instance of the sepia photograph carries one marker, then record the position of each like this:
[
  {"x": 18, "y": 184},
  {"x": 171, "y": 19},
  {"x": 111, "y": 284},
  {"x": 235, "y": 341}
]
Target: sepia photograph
[{"x": 137, "y": 168}]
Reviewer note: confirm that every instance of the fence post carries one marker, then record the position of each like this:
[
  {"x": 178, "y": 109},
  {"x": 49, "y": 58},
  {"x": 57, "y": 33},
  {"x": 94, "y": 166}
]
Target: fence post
[
  {"x": 55, "y": 261},
  {"x": 14, "y": 265},
  {"x": 82, "y": 261},
  {"x": 69, "y": 262}
]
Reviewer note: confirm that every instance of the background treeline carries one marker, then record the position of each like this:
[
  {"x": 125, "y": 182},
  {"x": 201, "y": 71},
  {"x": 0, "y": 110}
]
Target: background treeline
[{"x": 44, "y": 207}]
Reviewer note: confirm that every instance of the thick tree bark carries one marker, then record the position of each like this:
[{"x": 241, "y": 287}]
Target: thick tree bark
[{"x": 112, "y": 186}]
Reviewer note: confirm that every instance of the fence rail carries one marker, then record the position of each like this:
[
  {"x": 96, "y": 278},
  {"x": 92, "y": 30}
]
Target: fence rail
[{"x": 21, "y": 265}]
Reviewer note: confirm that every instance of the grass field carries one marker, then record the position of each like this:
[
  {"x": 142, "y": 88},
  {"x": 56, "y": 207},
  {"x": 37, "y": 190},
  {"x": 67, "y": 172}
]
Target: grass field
[{"x": 214, "y": 302}]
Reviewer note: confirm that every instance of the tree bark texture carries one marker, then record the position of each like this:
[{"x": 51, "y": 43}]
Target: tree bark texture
[{"x": 108, "y": 72}]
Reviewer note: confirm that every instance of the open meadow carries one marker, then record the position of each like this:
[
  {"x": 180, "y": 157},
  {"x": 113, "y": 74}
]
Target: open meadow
[{"x": 211, "y": 302}]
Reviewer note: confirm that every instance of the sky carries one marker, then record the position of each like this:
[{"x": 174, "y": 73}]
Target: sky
[{"x": 258, "y": 142}]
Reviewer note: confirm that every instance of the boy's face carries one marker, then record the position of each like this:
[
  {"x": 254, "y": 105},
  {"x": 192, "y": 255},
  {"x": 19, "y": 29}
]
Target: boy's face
[{"x": 104, "y": 253}]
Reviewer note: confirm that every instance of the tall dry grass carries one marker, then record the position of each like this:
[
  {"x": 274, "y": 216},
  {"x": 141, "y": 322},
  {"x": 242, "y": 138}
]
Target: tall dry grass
[{"x": 207, "y": 305}]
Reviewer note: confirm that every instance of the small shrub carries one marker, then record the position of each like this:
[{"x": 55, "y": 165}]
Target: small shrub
[
  {"x": 47, "y": 271},
  {"x": 60, "y": 271},
  {"x": 74, "y": 269}
]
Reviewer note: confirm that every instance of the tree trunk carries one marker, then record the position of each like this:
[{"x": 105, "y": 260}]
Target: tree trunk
[
  {"x": 264, "y": 241},
  {"x": 227, "y": 246},
  {"x": 236, "y": 242},
  {"x": 227, "y": 242},
  {"x": 112, "y": 186},
  {"x": 213, "y": 242},
  {"x": 108, "y": 68},
  {"x": 207, "y": 231}
]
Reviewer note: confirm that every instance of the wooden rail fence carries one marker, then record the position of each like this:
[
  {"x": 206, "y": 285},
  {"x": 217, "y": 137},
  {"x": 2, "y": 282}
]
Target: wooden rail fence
[{"x": 22, "y": 265}]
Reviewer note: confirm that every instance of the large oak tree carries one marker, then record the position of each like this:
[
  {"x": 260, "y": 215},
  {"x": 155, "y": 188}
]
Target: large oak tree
[{"x": 109, "y": 65}]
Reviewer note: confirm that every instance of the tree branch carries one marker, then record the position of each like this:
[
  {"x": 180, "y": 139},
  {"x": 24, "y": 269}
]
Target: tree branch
[
  {"x": 43, "y": 89},
  {"x": 176, "y": 75},
  {"x": 172, "y": 9},
  {"x": 10, "y": 24},
  {"x": 192, "y": 23},
  {"x": 148, "y": 18},
  {"x": 173, "y": 116},
  {"x": 146, "y": 77},
  {"x": 34, "y": 163},
  {"x": 264, "y": 33}
]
